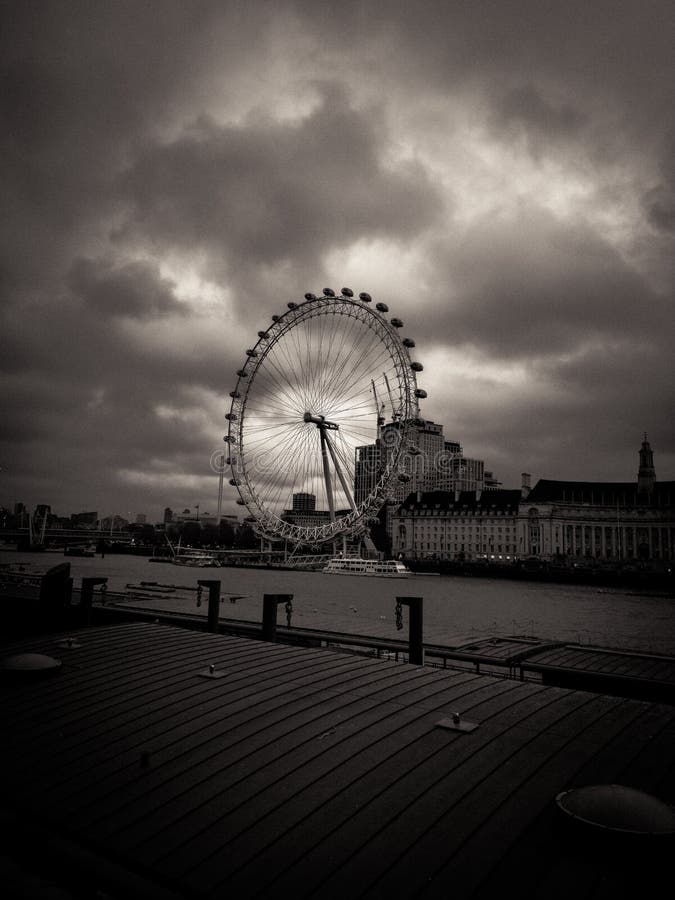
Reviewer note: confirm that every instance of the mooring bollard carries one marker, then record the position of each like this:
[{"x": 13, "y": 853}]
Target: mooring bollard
[
  {"x": 415, "y": 636},
  {"x": 87, "y": 597},
  {"x": 270, "y": 605},
  {"x": 214, "y": 604}
]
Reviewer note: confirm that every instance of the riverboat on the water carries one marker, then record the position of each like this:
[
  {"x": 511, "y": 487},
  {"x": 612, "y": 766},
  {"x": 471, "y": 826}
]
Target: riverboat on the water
[
  {"x": 198, "y": 558},
  {"x": 383, "y": 568},
  {"x": 191, "y": 556}
]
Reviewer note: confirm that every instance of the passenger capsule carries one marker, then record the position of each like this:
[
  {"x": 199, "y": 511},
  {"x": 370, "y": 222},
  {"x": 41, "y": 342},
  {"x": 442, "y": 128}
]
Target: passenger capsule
[
  {"x": 365, "y": 297},
  {"x": 231, "y": 417},
  {"x": 416, "y": 367},
  {"x": 403, "y": 477},
  {"x": 262, "y": 334},
  {"x": 235, "y": 395},
  {"x": 227, "y": 438},
  {"x": 241, "y": 502},
  {"x": 228, "y": 460},
  {"x": 310, "y": 296},
  {"x": 409, "y": 343},
  {"x": 242, "y": 373},
  {"x": 421, "y": 393},
  {"x": 328, "y": 292},
  {"x": 252, "y": 353},
  {"x": 347, "y": 292},
  {"x": 234, "y": 482},
  {"x": 275, "y": 318},
  {"x": 292, "y": 305},
  {"x": 397, "y": 323},
  {"x": 381, "y": 307}
]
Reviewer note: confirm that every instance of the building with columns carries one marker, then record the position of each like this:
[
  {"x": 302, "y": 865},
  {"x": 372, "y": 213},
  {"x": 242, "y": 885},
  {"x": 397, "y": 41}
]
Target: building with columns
[
  {"x": 608, "y": 522},
  {"x": 565, "y": 522}
]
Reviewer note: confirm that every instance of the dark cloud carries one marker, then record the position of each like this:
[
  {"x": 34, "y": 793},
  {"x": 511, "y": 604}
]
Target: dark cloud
[
  {"x": 133, "y": 289},
  {"x": 659, "y": 206},
  {"x": 524, "y": 114},
  {"x": 532, "y": 286},
  {"x": 267, "y": 192}
]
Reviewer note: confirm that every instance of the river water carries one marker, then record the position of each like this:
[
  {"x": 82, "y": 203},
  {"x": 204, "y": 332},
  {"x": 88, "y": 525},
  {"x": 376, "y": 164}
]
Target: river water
[{"x": 456, "y": 609}]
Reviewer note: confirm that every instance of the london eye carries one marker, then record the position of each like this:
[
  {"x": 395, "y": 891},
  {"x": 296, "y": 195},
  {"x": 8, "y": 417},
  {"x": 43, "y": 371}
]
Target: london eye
[{"x": 309, "y": 452}]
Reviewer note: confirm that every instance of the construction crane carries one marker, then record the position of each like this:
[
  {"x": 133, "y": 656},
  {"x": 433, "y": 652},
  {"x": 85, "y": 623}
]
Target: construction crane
[
  {"x": 395, "y": 413},
  {"x": 379, "y": 409}
]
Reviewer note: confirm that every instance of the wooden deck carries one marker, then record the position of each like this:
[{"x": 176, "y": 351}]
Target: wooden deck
[
  {"x": 644, "y": 676},
  {"x": 311, "y": 773}
]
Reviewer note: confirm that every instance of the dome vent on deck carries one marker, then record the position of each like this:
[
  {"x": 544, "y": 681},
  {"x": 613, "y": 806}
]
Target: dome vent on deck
[
  {"x": 29, "y": 665},
  {"x": 617, "y": 809}
]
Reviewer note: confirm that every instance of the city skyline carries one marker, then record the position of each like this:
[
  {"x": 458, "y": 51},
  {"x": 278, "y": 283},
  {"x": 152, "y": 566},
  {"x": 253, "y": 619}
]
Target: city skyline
[
  {"x": 501, "y": 177},
  {"x": 433, "y": 476}
]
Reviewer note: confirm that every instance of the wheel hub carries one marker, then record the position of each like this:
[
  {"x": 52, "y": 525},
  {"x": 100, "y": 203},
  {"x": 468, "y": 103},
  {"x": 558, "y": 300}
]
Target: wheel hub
[{"x": 320, "y": 421}]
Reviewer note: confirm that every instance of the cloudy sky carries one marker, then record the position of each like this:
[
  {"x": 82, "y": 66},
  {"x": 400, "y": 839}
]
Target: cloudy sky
[{"x": 502, "y": 174}]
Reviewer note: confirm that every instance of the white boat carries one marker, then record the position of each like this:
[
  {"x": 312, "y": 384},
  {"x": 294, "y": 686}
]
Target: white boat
[
  {"x": 199, "y": 558},
  {"x": 382, "y": 568},
  {"x": 191, "y": 556}
]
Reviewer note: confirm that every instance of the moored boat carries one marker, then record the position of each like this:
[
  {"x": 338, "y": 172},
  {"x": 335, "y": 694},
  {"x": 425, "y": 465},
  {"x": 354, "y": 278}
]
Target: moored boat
[
  {"x": 382, "y": 568},
  {"x": 198, "y": 558},
  {"x": 89, "y": 552}
]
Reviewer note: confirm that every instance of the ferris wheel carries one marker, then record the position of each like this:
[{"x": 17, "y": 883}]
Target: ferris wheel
[{"x": 311, "y": 453}]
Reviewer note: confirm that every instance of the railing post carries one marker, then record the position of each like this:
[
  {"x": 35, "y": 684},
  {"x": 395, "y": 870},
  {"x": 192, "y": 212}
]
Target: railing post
[
  {"x": 270, "y": 605},
  {"x": 214, "y": 603},
  {"x": 87, "y": 597},
  {"x": 415, "y": 631},
  {"x": 55, "y": 593}
]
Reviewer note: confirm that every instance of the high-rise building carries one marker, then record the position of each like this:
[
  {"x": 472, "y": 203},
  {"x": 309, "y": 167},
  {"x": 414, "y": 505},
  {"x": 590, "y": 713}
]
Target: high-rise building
[
  {"x": 428, "y": 463},
  {"x": 366, "y": 469}
]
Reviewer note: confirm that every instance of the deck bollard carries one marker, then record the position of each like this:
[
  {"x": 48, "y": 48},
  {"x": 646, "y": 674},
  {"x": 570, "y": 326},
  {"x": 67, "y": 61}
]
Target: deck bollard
[
  {"x": 270, "y": 605},
  {"x": 214, "y": 604},
  {"x": 415, "y": 637},
  {"x": 87, "y": 597}
]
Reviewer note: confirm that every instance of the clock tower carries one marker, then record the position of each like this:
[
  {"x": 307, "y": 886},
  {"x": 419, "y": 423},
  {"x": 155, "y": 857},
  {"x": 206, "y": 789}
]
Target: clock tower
[{"x": 646, "y": 472}]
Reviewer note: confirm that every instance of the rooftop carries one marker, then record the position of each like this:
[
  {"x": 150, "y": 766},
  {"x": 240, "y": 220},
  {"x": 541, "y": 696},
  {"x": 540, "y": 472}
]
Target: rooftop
[
  {"x": 498, "y": 499},
  {"x": 603, "y": 493}
]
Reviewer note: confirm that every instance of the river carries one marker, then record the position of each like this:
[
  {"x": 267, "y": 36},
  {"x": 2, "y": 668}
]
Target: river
[{"x": 456, "y": 609}]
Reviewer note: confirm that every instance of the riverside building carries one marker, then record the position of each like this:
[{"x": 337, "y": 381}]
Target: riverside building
[
  {"x": 558, "y": 522},
  {"x": 457, "y": 525},
  {"x": 607, "y": 522}
]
